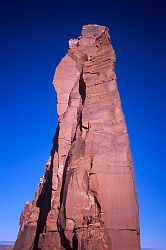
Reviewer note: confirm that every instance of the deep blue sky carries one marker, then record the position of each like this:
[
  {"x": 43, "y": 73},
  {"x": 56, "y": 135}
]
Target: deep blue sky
[{"x": 34, "y": 37}]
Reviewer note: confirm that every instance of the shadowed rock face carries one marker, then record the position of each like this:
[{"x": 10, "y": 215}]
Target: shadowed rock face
[{"x": 86, "y": 199}]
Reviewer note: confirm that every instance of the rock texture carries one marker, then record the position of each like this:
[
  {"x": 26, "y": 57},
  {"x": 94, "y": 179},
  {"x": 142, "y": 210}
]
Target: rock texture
[{"x": 86, "y": 199}]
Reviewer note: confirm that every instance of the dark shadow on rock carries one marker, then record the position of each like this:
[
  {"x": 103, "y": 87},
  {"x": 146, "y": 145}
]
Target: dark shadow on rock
[{"x": 44, "y": 200}]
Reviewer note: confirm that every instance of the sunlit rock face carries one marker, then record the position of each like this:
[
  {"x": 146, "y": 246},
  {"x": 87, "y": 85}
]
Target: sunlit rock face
[{"x": 86, "y": 199}]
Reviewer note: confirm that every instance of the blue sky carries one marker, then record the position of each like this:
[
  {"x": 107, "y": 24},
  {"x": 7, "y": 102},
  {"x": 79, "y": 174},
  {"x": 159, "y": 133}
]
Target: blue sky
[{"x": 34, "y": 37}]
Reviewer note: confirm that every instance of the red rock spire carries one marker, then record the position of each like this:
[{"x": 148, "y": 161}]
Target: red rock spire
[{"x": 86, "y": 199}]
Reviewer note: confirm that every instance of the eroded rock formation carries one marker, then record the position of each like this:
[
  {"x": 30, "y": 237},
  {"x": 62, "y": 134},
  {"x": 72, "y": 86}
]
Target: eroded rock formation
[{"x": 86, "y": 199}]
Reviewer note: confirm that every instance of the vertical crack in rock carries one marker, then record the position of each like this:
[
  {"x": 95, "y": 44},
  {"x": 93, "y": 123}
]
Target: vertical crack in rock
[
  {"x": 82, "y": 88},
  {"x": 75, "y": 145},
  {"x": 82, "y": 92},
  {"x": 86, "y": 199}
]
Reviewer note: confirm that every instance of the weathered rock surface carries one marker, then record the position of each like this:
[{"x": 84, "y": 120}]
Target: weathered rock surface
[{"x": 86, "y": 199}]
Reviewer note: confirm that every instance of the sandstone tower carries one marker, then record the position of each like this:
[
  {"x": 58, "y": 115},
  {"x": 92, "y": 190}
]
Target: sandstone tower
[{"x": 86, "y": 199}]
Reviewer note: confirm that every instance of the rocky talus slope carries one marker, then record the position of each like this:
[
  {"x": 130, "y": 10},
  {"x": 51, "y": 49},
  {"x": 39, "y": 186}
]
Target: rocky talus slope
[{"x": 86, "y": 199}]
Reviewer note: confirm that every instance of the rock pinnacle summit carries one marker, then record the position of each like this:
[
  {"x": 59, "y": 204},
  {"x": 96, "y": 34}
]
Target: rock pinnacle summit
[{"x": 86, "y": 199}]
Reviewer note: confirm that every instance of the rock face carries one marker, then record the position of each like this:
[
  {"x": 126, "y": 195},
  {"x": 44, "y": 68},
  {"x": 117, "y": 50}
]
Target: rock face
[{"x": 86, "y": 199}]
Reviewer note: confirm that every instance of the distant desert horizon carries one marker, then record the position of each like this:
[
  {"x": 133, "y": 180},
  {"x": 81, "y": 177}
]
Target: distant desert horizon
[{"x": 8, "y": 245}]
